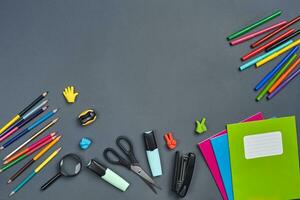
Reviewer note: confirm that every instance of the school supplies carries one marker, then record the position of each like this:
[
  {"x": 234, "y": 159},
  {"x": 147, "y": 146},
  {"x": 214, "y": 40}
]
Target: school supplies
[
  {"x": 264, "y": 159},
  {"x": 283, "y": 40},
  {"x": 284, "y": 83},
  {"x": 253, "y": 26},
  {"x": 201, "y": 126},
  {"x": 108, "y": 175},
  {"x": 69, "y": 166},
  {"x": 113, "y": 157},
  {"x": 33, "y": 160},
  {"x": 257, "y": 33},
  {"x": 170, "y": 141},
  {"x": 85, "y": 143},
  {"x": 36, "y": 171},
  {"x": 183, "y": 172},
  {"x": 70, "y": 94},
  {"x": 87, "y": 117},
  {"x": 25, "y": 131},
  {"x": 23, "y": 112},
  {"x": 152, "y": 153}
]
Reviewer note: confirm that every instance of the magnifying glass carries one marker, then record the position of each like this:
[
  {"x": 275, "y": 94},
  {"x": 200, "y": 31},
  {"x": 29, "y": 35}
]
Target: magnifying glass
[{"x": 70, "y": 165}]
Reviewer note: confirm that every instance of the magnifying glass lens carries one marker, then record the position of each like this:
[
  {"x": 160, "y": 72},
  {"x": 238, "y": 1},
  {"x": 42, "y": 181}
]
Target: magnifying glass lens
[{"x": 69, "y": 166}]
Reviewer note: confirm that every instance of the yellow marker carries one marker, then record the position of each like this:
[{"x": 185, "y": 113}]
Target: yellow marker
[
  {"x": 11, "y": 122},
  {"x": 277, "y": 53}
]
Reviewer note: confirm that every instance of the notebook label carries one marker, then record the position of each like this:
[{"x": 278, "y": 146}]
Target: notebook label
[{"x": 263, "y": 145}]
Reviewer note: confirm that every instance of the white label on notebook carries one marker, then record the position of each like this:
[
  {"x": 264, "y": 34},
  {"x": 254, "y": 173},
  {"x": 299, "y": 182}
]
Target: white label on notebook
[{"x": 263, "y": 145}]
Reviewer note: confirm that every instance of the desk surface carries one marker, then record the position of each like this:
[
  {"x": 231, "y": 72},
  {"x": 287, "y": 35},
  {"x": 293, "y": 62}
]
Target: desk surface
[{"x": 141, "y": 65}]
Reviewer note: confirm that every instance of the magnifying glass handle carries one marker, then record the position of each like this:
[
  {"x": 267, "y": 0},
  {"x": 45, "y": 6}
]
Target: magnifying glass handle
[{"x": 52, "y": 180}]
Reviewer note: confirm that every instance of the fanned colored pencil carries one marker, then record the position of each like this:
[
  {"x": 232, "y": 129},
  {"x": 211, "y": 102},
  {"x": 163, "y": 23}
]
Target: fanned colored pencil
[
  {"x": 23, "y": 112},
  {"x": 34, "y": 159},
  {"x": 283, "y": 41},
  {"x": 32, "y": 138},
  {"x": 36, "y": 171}
]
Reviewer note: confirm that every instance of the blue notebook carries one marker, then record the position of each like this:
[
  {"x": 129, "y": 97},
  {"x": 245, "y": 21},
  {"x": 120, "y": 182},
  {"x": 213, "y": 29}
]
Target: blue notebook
[{"x": 221, "y": 149}]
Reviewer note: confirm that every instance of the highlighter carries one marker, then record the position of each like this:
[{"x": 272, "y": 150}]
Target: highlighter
[
  {"x": 152, "y": 153},
  {"x": 108, "y": 175}
]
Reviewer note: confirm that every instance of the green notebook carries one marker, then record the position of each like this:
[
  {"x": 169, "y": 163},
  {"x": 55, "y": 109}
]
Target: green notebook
[{"x": 264, "y": 159}]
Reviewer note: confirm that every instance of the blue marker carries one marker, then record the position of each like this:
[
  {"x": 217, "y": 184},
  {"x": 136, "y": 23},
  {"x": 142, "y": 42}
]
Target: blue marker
[
  {"x": 25, "y": 131},
  {"x": 275, "y": 70}
]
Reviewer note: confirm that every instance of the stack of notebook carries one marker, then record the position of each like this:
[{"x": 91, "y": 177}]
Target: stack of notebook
[{"x": 256, "y": 159}]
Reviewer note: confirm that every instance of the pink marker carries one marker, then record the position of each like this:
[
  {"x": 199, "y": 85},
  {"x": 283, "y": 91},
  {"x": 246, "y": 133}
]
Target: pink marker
[{"x": 252, "y": 35}]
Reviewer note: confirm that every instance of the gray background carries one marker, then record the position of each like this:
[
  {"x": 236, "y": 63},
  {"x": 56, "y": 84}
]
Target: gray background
[{"x": 142, "y": 65}]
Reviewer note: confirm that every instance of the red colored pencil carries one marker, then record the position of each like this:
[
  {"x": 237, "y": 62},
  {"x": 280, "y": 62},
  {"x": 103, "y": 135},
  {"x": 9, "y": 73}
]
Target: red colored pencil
[
  {"x": 270, "y": 35},
  {"x": 31, "y": 149},
  {"x": 262, "y": 48}
]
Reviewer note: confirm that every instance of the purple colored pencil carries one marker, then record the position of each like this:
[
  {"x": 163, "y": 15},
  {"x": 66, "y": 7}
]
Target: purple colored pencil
[{"x": 284, "y": 83}]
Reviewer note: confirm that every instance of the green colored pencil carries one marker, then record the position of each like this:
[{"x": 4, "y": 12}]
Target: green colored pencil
[{"x": 9, "y": 165}]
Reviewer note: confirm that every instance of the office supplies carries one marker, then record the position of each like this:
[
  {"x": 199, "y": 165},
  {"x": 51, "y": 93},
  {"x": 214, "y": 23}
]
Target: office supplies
[
  {"x": 183, "y": 172},
  {"x": 284, "y": 83},
  {"x": 24, "y": 122},
  {"x": 253, "y": 26},
  {"x": 275, "y": 69},
  {"x": 170, "y": 141},
  {"x": 24, "y": 117},
  {"x": 277, "y": 53},
  {"x": 108, "y": 175},
  {"x": 201, "y": 126},
  {"x": 70, "y": 94},
  {"x": 69, "y": 166},
  {"x": 283, "y": 40},
  {"x": 33, "y": 160},
  {"x": 257, "y": 33},
  {"x": 23, "y": 112},
  {"x": 270, "y": 35},
  {"x": 36, "y": 171},
  {"x": 85, "y": 143},
  {"x": 264, "y": 159},
  {"x": 32, "y": 138},
  {"x": 25, "y": 131},
  {"x": 113, "y": 157},
  {"x": 284, "y": 75},
  {"x": 152, "y": 153},
  {"x": 87, "y": 117},
  {"x": 263, "y": 47},
  {"x": 255, "y": 60},
  {"x": 208, "y": 154},
  {"x": 271, "y": 82},
  {"x": 32, "y": 148}
]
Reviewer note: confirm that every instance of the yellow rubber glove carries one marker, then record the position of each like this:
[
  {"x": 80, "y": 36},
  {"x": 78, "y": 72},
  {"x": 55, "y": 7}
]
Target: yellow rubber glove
[{"x": 70, "y": 94}]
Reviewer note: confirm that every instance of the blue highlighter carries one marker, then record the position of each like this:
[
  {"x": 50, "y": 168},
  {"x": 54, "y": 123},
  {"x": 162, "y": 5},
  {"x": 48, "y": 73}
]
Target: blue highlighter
[{"x": 152, "y": 153}]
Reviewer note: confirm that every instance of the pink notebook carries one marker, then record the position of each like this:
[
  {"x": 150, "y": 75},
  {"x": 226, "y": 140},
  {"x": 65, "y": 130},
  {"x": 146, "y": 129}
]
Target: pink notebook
[{"x": 209, "y": 156}]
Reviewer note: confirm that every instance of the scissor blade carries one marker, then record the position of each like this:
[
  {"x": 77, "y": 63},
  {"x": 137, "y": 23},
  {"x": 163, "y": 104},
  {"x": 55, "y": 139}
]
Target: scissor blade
[{"x": 146, "y": 178}]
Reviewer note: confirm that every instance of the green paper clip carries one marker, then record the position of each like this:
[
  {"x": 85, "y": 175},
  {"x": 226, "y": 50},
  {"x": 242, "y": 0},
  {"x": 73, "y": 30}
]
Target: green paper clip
[{"x": 200, "y": 126}]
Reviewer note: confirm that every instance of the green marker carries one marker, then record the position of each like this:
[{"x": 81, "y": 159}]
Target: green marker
[
  {"x": 281, "y": 71},
  {"x": 253, "y": 26}
]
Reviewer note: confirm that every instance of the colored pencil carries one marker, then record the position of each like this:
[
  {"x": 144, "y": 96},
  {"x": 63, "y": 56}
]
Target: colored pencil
[
  {"x": 255, "y": 60},
  {"x": 26, "y": 121},
  {"x": 23, "y": 112},
  {"x": 283, "y": 41},
  {"x": 284, "y": 75},
  {"x": 33, "y": 160},
  {"x": 36, "y": 171},
  {"x": 31, "y": 147},
  {"x": 32, "y": 137},
  {"x": 284, "y": 83},
  {"x": 9, "y": 165},
  {"x": 275, "y": 69},
  {"x": 270, "y": 35},
  {"x": 277, "y": 53},
  {"x": 262, "y": 48},
  {"x": 25, "y": 131},
  {"x": 257, "y": 33},
  {"x": 17, "y": 123},
  {"x": 268, "y": 86},
  {"x": 253, "y": 26}
]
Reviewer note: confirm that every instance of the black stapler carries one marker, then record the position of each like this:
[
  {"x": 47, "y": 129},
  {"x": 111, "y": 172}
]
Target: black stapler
[{"x": 183, "y": 172}]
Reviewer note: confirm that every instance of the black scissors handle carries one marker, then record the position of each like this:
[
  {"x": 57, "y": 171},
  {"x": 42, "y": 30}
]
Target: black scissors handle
[
  {"x": 114, "y": 157},
  {"x": 126, "y": 146}
]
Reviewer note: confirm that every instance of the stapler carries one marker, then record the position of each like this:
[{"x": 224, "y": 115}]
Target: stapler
[{"x": 183, "y": 172}]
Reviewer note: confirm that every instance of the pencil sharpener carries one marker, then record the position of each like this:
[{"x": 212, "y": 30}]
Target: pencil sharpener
[{"x": 87, "y": 117}]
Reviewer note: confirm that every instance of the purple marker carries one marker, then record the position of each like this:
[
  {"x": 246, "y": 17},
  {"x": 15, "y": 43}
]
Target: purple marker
[{"x": 284, "y": 83}]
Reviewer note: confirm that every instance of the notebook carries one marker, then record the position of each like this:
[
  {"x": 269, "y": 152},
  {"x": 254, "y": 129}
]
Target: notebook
[{"x": 264, "y": 159}]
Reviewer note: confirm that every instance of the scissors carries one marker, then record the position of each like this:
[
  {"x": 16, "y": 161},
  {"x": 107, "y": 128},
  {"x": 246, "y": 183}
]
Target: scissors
[{"x": 126, "y": 146}]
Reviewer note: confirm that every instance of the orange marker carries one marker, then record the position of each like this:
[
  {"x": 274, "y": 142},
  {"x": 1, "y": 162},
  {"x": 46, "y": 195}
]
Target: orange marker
[{"x": 170, "y": 141}]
